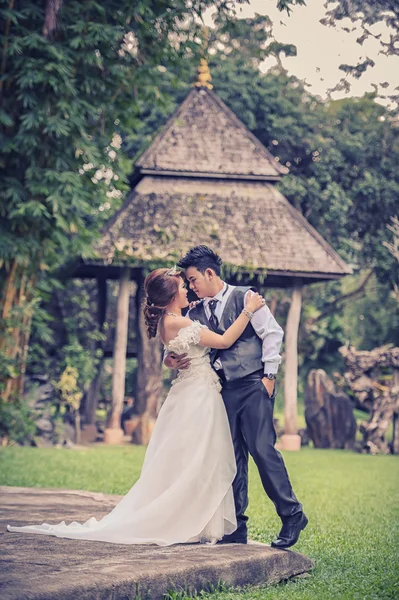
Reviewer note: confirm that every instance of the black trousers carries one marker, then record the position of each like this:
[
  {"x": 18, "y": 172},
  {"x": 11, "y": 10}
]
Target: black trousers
[{"x": 250, "y": 411}]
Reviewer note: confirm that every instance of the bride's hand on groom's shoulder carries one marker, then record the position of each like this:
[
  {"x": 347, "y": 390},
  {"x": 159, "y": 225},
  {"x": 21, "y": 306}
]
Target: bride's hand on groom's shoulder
[
  {"x": 254, "y": 301},
  {"x": 177, "y": 361},
  {"x": 193, "y": 304}
]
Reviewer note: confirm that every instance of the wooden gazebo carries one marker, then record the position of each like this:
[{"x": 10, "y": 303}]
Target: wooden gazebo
[{"x": 207, "y": 179}]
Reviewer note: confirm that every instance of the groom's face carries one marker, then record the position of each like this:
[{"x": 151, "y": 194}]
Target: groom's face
[{"x": 199, "y": 282}]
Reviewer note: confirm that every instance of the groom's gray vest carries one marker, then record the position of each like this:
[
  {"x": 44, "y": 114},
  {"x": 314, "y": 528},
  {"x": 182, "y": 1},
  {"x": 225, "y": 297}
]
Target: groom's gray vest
[{"x": 245, "y": 355}]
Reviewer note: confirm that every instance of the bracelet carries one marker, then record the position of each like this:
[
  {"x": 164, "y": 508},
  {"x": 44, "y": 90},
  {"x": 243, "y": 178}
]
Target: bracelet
[{"x": 247, "y": 313}]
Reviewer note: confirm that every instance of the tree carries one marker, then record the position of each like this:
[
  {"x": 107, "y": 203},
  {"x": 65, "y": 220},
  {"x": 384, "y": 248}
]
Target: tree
[
  {"x": 365, "y": 15},
  {"x": 72, "y": 75},
  {"x": 288, "y": 4}
]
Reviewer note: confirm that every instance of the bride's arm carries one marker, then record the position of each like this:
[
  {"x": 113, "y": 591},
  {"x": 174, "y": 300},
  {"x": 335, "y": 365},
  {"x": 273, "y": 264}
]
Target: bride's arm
[{"x": 210, "y": 339}]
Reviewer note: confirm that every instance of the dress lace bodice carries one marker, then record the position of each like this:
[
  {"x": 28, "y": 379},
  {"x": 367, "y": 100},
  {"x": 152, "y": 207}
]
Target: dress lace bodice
[{"x": 187, "y": 342}]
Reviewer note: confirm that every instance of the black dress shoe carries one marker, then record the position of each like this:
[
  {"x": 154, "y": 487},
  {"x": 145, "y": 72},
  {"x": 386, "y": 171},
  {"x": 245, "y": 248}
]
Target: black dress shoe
[
  {"x": 290, "y": 532},
  {"x": 229, "y": 540},
  {"x": 234, "y": 538},
  {"x": 239, "y": 536}
]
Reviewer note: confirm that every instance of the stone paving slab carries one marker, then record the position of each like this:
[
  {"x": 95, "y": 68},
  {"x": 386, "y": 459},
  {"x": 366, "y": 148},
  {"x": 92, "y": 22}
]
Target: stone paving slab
[{"x": 36, "y": 567}]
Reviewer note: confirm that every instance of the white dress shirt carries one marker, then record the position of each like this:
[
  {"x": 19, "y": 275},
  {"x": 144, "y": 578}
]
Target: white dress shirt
[{"x": 264, "y": 324}]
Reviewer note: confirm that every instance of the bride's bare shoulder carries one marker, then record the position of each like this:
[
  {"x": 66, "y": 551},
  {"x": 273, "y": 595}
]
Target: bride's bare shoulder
[{"x": 172, "y": 325}]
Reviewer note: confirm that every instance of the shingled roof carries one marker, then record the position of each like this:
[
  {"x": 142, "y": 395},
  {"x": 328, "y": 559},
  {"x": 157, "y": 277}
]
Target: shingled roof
[
  {"x": 204, "y": 137},
  {"x": 250, "y": 224},
  {"x": 206, "y": 179}
]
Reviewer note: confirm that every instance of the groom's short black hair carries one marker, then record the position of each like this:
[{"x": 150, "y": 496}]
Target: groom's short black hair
[{"x": 202, "y": 258}]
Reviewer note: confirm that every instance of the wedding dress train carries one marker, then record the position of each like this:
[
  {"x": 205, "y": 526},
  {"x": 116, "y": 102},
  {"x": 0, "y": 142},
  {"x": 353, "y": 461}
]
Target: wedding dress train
[{"x": 184, "y": 493}]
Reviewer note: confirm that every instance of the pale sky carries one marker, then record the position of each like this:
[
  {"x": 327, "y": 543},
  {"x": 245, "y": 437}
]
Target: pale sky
[{"x": 321, "y": 49}]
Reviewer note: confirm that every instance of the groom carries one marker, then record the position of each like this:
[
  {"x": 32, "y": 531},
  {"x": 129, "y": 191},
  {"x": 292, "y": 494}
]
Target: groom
[{"x": 247, "y": 371}]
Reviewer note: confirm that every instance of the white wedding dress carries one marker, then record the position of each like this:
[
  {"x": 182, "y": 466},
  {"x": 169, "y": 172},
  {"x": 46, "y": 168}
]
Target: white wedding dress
[{"x": 184, "y": 493}]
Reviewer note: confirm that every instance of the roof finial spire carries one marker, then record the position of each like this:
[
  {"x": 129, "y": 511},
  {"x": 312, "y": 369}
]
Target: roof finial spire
[{"x": 204, "y": 75}]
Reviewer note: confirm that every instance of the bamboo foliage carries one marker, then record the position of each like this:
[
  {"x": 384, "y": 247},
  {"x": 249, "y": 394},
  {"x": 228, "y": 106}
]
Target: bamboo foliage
[{"x": 17, "y": 306}]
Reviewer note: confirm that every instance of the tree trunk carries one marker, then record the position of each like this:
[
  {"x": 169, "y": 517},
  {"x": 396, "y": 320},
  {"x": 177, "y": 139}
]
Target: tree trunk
[
  {"x": 395, "y": 438},
  {"x": 368, "y": 377},
  {"x": 6, "y": 38},
  {"x": 329, "y": 414},
  {"x": 77, "y": 427},
  {"x": 273, "y": 305},
  {"x": 149, "y": 377},
  {"x": 91, "y": 399},
  {"x": 53, "y": 7},
  {"x": 119, "y": 368},
  {"x": 375, "y": 429}
]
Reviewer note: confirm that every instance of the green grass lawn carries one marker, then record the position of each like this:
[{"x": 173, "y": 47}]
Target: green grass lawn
[{"x": 352, "y": 502}]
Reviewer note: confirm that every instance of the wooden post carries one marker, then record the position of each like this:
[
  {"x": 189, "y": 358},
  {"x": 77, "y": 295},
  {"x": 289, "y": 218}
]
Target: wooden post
[
  {"x": 114, "y": 433},
  {"x": 291, "y": 440},
  {"x": 149, "y": 377}
]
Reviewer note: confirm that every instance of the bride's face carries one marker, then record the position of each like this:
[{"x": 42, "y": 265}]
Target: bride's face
[{"x": 182, "y": 294}]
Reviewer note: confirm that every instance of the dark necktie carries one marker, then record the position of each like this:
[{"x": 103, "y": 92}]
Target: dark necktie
[{"x": 213, "y": 320}]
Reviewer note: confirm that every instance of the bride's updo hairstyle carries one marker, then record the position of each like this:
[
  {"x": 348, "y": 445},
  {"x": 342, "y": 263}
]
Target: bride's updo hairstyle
[{"x": 161, "y": 287}]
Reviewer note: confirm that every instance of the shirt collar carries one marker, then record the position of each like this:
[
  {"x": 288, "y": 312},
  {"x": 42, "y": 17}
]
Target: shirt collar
[{"x": 219, "y": 295}]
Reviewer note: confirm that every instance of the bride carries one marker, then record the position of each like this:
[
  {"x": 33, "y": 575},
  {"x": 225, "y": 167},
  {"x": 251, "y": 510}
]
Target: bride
[{"x": 184, "y": 493}]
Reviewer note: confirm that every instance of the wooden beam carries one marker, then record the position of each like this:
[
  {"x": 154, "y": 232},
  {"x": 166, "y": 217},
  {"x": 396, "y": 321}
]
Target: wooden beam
[
  {"x": 208, "y": 175},
  {"x": 114, "y": 433},
  {"x": 291, "y": 440}
]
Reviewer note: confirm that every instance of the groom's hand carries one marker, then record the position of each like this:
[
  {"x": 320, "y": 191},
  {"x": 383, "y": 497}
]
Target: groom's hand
[
  {"x": 177, "y": 361},
  {"x": 269, "y": 385}
]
